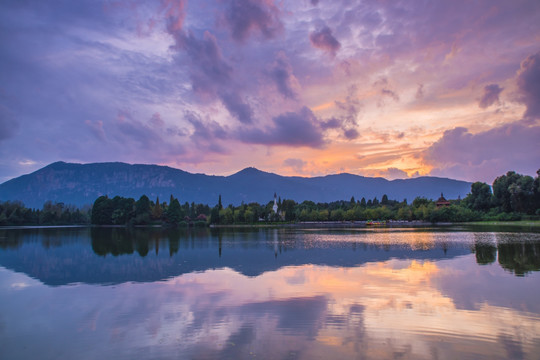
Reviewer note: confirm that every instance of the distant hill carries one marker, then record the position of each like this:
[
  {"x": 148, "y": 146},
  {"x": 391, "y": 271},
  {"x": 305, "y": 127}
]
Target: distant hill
[{"x": 81, "y": 184}]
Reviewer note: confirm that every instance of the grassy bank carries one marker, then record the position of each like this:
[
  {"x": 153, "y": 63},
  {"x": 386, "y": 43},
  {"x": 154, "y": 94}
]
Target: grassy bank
[{"x": 523, "y": 223}]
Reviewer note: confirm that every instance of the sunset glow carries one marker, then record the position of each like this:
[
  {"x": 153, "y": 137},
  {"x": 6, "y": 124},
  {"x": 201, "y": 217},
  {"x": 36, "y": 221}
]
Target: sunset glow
[{"x": 311, "y": 87}]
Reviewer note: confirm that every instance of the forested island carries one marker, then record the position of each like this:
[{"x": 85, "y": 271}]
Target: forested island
[{"x": 511, "y": 197}]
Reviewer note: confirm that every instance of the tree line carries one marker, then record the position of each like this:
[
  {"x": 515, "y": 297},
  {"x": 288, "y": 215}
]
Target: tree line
[
  {"x": 14, "y": 213},
  {"x": 127, "y": 211},
  {"x": 514, "y": 197},
  {"x": 511, "y": 197}
]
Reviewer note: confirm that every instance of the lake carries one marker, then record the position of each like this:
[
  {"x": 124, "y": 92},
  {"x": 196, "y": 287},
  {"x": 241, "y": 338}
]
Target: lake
[{"x": 381, "y": 293}]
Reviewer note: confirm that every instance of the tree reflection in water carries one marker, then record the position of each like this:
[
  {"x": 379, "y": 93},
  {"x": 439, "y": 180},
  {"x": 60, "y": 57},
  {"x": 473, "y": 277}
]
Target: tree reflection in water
[{"x": 519, "y": 258}]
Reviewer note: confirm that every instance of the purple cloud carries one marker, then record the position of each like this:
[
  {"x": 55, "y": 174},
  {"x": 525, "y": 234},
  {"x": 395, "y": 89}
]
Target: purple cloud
[
  {"x": 209, "y": 71},
  {"x": 295, "y": 164},
  {"x": 384, "y": 88},
  {"x": 96, "y": 128},
  {"x": 211, "y": 74},
  {"x": 324, "y": 40},
  {"x": 528, "y": 82},
  {"x": 419, "y": 92},
  {"x": 393, "y": 173},
  {"x": 351, "y": 134},
  {"x": 390, "y": 94},
  {"x": 206, "y": 135},
  {"x": 290, "y": 129},
  {"x": 174, "y": 13},
  {"x": 281, "y": 73},
  {"x": 350, "y": 108},
  {"x": 490, "y": 96},
  {"x": 246, "y": 16},
  {"x": 485, "y": 155},
  {"x": 134, "y": 131},
  {"x": 332, "y": 123},
  {"x": 237, "y": 106},
  {"x": 347, "y": 120},
  {"x": 156, "y": 120},
  {"x": 8, "y": 123}
]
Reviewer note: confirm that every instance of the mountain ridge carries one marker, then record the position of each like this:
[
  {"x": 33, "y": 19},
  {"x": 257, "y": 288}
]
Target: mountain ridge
[{"x": 81, "y": 184}]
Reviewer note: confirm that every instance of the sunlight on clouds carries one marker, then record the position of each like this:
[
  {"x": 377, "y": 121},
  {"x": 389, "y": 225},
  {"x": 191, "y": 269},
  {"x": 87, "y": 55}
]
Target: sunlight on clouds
[
  {"x": 423, "y": 70},
  {"x": 27, "y": 162}
]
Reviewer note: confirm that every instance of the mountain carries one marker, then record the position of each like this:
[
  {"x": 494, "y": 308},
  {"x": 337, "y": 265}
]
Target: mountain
[{"x": 81, "y": 184}]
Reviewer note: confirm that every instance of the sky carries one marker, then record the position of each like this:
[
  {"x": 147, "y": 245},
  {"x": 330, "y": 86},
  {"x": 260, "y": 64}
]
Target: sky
[{"x": 296, "y": 87}]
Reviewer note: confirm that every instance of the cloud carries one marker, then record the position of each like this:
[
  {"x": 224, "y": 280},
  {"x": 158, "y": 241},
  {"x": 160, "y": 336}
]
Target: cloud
[
  {"x": 96, "y": 127},
  {"x": 391, "y": 173},
  {"x": 133, "y": 131},
  {"x": 348, "y": 114},
  {"x": 490, "y": 96},
  {"x": 314, "y": 2},
  {"x": 390, "y": 94},
  {"x": 237, "y": 106},
  {"x": 295, "y": 164},
  {"x": 528, "y": 82},
  {"x": 485, "y": 155},
  {"x": 211, "y": 75},
  {"x": 206, "y": 135},
  {"x": 350, "y": 107},
  {"x": 8, "y": 123},
  {"x": 156, "y": 120},
  {"x": 351, "y": 134},
  {"x": 246, "y": 16},
  {"x": 127, "y": 136},
  {"x": 208, "y": 70},
  {"x": 281, "y": 73},
  {"x": 174, "y": 13},
  {"x": 324, "y": 40},
  {"x": 383, "y": 86},
  {"x": 419, "y": 92},
  {"x": 332, "y": 123},
  {"x": 290, "y": 129}
]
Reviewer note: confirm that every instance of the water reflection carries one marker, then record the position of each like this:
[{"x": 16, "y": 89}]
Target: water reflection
[
  {"x": 270, "y": 294},
  {"x": 519, "y": 258},
  {"x": 149, "y": 254}
]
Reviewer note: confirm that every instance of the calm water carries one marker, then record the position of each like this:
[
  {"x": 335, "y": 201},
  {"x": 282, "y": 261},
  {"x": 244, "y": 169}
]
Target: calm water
[{"x": 269, "y": 294}]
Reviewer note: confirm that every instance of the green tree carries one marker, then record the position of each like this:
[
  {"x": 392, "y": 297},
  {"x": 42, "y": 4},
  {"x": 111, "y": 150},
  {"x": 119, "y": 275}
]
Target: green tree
[
  {"x": 142, "y": 206},
  {"x": 501, "y": 191},
  {"x": 214, "y": 215},
  {"x": 480, "y": 197},
  {"x": 102, "y": 211},
  {"x": 337, "y": 215},
  {"x": 157, "y": 210},
  {"x": 521, "y": 194},
  {"x": 174, "y": 212},
  {"x": 536, "y": 193},
  {"x": 226, "y": 216},
  {"x": 287, "y": 207}
]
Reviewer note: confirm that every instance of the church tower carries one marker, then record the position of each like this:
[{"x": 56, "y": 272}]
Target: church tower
[{"x": 275, "y": 207}]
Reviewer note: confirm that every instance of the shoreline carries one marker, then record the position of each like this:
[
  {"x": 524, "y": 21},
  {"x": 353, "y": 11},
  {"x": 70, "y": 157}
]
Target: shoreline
[
  {"x": 307, "y": 224},
  {"x": 334, "y": 224}
]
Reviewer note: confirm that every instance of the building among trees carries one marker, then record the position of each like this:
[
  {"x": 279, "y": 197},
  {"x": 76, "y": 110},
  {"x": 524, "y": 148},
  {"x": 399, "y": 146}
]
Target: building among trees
[{"x": 442, "y": 202}]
